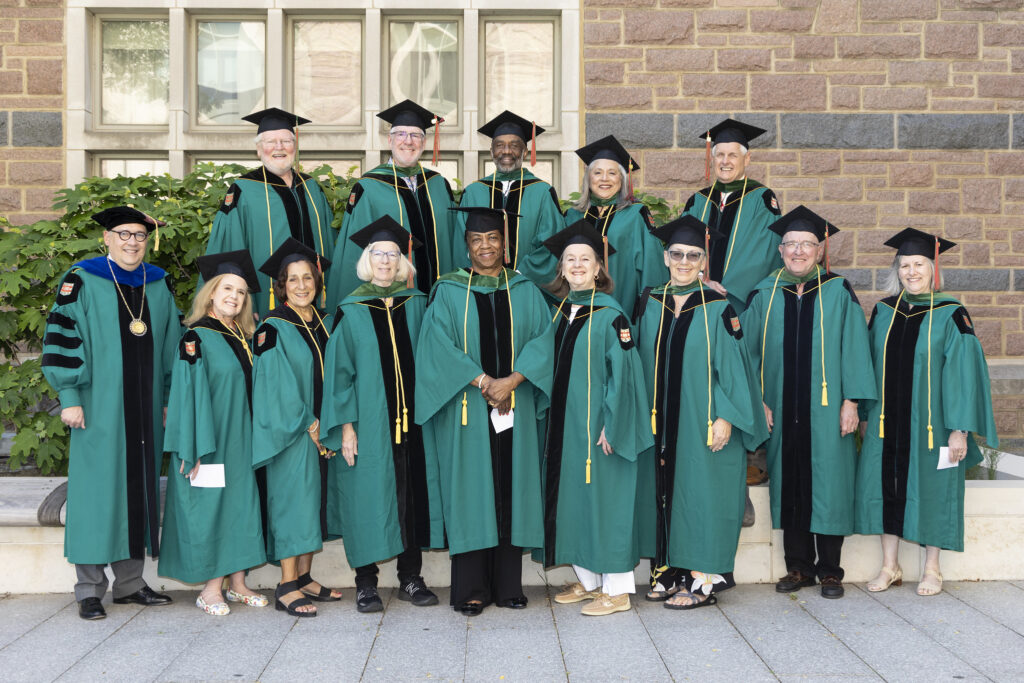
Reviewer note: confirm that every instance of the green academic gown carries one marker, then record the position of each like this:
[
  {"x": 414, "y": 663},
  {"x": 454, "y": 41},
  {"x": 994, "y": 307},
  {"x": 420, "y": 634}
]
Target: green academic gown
[
  {"x": 389, "y": 500},
  {"x": 638, "y": 260},
  {"x": 899, "y": 489},
  {"x": 589, "y": 508},
  {"x": 496, "y": 325},
  {"x": 689, "y": 500},
  {"x": 540, "y": 217},
  {"x": 121, "y": 381},
  {"x": 425, "y": 213},
  {"x": 287, "y": 392},
  {"x": 260, "y": 211},
  {"x": 750, "y": 251},
  {"x": 812, "y": 467},
  {"x": 211, "y": 532}
]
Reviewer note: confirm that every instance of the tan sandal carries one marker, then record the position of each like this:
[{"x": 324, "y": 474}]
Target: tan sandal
[
  {"x": 926, "y": 587},
  {"x": 886, "y": 577}
]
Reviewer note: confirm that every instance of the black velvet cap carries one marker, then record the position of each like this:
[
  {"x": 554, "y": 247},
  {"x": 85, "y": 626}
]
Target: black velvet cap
[
  {"x": 731, "y": 130},
  {"x": 484, "y": 219},
  {"x": 914, "y": 242},
  {"x": 685, "y": 230},
  {"x": 802, "y": 219},
  {"x": 608, "y": 147},
  {"x": 408, "y": 113},
  {"x": 580, "y": 232},
  {"x": 385, "y": 229},
  {"x": 275, "y": 119},
  {"x": 507, "y": 123},
  {"x": 289, "y": 252},
  {"x": 123, "y": 215},
  {"x": 234, "y": 262}
]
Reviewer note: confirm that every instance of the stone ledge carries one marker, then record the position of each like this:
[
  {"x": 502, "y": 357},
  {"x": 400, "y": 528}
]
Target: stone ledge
[
  {"x": 691, "y": 126},
  {"x": 3, "y": 128},
  {"x": 1018, "y": 131},
  {"x": 953, "y": 131},
  {"x": 36, "y": 129},
  {"x": 837, "y": 131},
  {"x": 648, "y": 131}
]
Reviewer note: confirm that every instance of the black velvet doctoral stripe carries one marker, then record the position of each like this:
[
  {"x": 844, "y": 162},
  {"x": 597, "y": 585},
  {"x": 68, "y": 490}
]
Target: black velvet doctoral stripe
[
  {"x": 565, "y": 344},
  {"x": 799, "y": 332},
  {"x": 236, "y": 347},
  {"x": 137, "y": 395},
  {"x": 60, "y": 320},
  {"x": 58, "y": 361},
  {"x": 723, "y": 222},
  {"x": 294, "y": 201},
  {"x": 499, "y": 200}
]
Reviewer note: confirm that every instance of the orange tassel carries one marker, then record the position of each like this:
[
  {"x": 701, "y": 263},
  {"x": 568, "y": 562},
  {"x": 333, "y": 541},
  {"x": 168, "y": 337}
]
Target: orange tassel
[
  {"x": 437, "y": 138},
  {"x": 323, "y": 290},
  {"x": 707, "y": 239},
  {"x": 605, "y": 251},
  {"x": 828, "y": 263},
  {"x": 508, "y": 257},
  {"x": 707, "y": 158},
  {"x": 629, "y": 182},
  {"x": 533, "y": 145},
  {"x": 408, "y": 280}
]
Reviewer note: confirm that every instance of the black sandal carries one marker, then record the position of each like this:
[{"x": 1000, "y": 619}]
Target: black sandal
[
  {"x": 323, "y": 596},
  {"x": 291, "y": 608},
  {"x": 706, "y": 602}
]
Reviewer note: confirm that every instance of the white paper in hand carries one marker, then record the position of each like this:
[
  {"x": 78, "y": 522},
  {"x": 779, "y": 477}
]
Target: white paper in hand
[
  {"x": 501, "y": 422},
  {"x": 944, "y": 463},
  {"x": 210, "y": 476}
]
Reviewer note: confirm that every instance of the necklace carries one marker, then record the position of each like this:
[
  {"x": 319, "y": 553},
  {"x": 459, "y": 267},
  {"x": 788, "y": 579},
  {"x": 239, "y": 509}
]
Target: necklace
[
  {"x": 320, "y": 323},
  {"x": 136, "y": 326},
  {"x": 237, "y": 335}
]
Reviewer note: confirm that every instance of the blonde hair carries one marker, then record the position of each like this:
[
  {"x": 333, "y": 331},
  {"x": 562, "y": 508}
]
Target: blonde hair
[
  {"x": 365, "y": 272},
  {"x": 202, "y": 306}
]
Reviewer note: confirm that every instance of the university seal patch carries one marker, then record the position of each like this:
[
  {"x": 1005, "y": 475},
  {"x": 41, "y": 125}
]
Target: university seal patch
[
  {"x": 624, "y": 335},
  {"x": 261, "y": 338},
  {"x": 190, "y": 348},
  {"x": 735, "y": 324},
  {"x": 67, "y": 288},
  {"x": 228, "y": 198}
]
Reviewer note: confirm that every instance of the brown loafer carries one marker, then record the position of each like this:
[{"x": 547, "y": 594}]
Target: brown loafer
[{"x": 793, "y": 581}]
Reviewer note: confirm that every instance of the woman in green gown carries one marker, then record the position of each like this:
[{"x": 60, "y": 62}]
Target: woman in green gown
[
  {"x": 704, "y": 415},
  {"x": 287, "y": 391},
  {"x": 606, "y": 202},
  {"x": 213, "y": 531},
  {"x": 933, "y": 389},
  {"x": 597, "y": 426}
]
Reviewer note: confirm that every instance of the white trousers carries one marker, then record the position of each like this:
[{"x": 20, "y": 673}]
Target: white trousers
[{"x": 612, "y": 584}]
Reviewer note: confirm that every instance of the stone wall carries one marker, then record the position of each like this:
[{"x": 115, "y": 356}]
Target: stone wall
[
  {"x": 881, "y": 114},
  {"x": 31, "y": 107}
]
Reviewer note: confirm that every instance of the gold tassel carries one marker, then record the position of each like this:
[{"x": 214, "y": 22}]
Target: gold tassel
[
  {"x": 513, "y": 404},
  {"x": 405, "y": 419},
  {"x": 824, "y": 394},
  {"x": 931, "y": 441},
  {"x": 465, "y": 413},
  {"x": 881, "y": 426},
  {"x": 156, "y": 242},
  {"x": 588, "y": 470},
  {"x": 710, "y": 435},
  {"x": 398, "y": 430},
  {"x": 654, "y": 421},
  {"x": 271, "y": 298}
]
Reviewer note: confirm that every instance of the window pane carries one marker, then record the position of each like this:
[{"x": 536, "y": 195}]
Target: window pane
[
  {"x": 545, "y": 169},
  {"x": 424, "y": 65},
  {"x": 229, "y": 69},
  {"x": 327, "y": 72},
  {"x": 519, "y": 69},
  {"x": 111, "y": 168},
  {"x": 449, "y": 168},
  {"x": 135, "y": 67}
]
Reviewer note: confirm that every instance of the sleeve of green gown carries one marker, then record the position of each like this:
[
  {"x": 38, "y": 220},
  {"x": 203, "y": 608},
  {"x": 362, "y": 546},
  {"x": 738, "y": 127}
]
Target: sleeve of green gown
[
  {"x": 651, "y": 262},
  {"x": 190, "y": 430},
  {"x": 752, "y": 323},
  {"x": 734, "y": 399},
  {"x": 228, "y": 233},
  {"x": 442, "y": 367},
  {"x": 280, "y": 415},
  {"x": 857, "y": 367},
  {"x": 535, "y": 360},
  {"x": 625, "y": 410},
  {"x": 541, "y": 264},
  {"x": 66, "y": 343},
  {"x": 454, "y": 231},
  {"x": 966, "y": 392},
  {"x": 171, "y": 335},
  {"x": 339, "y": 403}
]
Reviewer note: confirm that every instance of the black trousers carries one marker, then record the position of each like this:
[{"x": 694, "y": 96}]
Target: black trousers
[
  {"x": 488, "y": 575},
  {"x": 799, "y": 547},
  {"x": 410, "y": 562}
]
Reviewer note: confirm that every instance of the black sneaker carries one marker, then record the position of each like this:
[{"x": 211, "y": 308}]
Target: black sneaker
[
  {"x": 367, "y": 600},
  {"x": 416, "y": 592}
]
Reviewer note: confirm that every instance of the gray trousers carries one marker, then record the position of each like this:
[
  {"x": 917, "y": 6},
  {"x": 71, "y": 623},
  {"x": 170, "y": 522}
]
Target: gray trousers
[{"x": 92, "y": 580}]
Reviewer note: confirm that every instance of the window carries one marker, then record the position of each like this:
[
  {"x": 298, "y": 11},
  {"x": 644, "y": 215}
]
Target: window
[
  {"x": 110, "y": 167},
  {"x": 230, "y": 78},
  {"x": 423, "y": 65},
  {"x": 519, "y": 60},
  {"x": 134, "y": 58},
  {"x": 327, "y": 76}
]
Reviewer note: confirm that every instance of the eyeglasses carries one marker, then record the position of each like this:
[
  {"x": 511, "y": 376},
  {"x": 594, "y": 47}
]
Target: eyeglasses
[
  {"x": 284, "y": 142},
  {"x": 385, "y": 255},
  {"x": 125, "y": 235},
  {"x": 403, "y": 135},
  {"x": 806, "y": 246},
  {"x": 690, "y": 256}
]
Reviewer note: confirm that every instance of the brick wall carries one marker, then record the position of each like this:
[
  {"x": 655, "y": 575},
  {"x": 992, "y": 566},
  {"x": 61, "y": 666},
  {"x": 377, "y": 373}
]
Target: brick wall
[
  {"x": 881, "y": 114},
  {"x": 31, "y": 107}
]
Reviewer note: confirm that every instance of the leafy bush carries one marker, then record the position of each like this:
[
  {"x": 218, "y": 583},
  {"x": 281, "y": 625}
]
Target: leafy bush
[{"x": 33, "y": 258}]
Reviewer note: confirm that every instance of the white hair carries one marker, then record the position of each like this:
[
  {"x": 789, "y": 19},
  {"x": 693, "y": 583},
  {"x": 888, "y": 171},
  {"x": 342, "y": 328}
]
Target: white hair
[
  {"x": 891, "y": 284},
  {"x": 364, "y": 271},
  {"x": 259, "y": 138},
  {"x": 743, "y": 149},
  {"x": 583, "y": 203}
]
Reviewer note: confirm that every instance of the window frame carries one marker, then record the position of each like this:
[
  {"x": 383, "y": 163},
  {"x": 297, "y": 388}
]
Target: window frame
[
  {"x": 288, "y": 43},
  {"x": 193, "y": 19},
  {"x": 95, "y": 86},
  {"x": 97, "y": 157}
]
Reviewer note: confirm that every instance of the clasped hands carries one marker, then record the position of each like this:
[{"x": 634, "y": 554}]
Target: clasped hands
[{"x": 498, "y": 392}]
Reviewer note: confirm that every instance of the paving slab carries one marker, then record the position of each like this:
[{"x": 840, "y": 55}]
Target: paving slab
[
  {"x": 19, "y": 614},
  {"x": 999, "y": 600}
]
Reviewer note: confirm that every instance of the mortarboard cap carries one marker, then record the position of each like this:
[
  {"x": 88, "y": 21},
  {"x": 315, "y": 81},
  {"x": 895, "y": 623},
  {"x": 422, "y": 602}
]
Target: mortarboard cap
[
  {"x": 686, "y": 230},
  {"x": 507, "y": 123},
  {"x": 484, "y": 219},
  {"x": 123, "y": 215},
  {"x": 608, "y": 147},
  {"x": 580, "y": 232},
  {"x": 731, "y": 130},
  {"x": 289, "y": 252},
  {"x": 275, "y": 119},
  {"x": 408, "y": 113},
  {"x": 234, "y": 262},
  {"x": 384, "y": 229},
  {"x": 914, "y": 242},
  {"x": 802, "y": 219}
]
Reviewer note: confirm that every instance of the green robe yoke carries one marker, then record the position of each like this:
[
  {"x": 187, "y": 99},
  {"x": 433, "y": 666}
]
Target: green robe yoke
[
  {"x": 589, "y": 506},
  {"x": 701, "y": 493},
  {"x": 812, "y": 467},
  {"x": 900, "y": 491},
  {"x": 287, "y": 387},
  {"x": 751, "y": 250},
  {"x": 121, "y": 381},
  {"x": 260, "y": 211},
  {"x": 540, "y": 217},
  {"x": 389, "y": 500},
  {"x": 424, "y": 212},
  {"x": 490, "y": 482},
  {"x": 638, "y": 260},
  {"x": 211, "y": 532}
]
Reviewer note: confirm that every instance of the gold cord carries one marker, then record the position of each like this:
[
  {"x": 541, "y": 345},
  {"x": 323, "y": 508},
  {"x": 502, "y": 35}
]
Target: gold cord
[
  {"x": 764, "y": 333},
  {"x": 885, "y": 352},
  {"x": 657, "y": 353},
  {"x": 433, "y": 220},
  {"x": 821, "y": 327},
  {"x": 931, "y": 314},
  {"x": 707, "y": 337},
  {"x": 117, "y": 286},
  {"x": 237, "y": 335},
  {"x": 511, "y": 334},
  {"x": 465, "y": 346},
  {"x": 735, "y": 229},
  {"x": 270, "y": 226},
  {"x": 590, "y": 326},
  {"x": 398, "y": 197},
  {"x": 320, "y": 322},
  {"x": 401, "y": 422}
]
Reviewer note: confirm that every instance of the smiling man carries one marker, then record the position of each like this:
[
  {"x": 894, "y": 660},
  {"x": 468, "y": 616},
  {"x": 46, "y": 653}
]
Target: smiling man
[
  {"x": 269, "y": 204},
  {"x": 417, "y": 198},
  {"x": 514, "y": 189}
]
